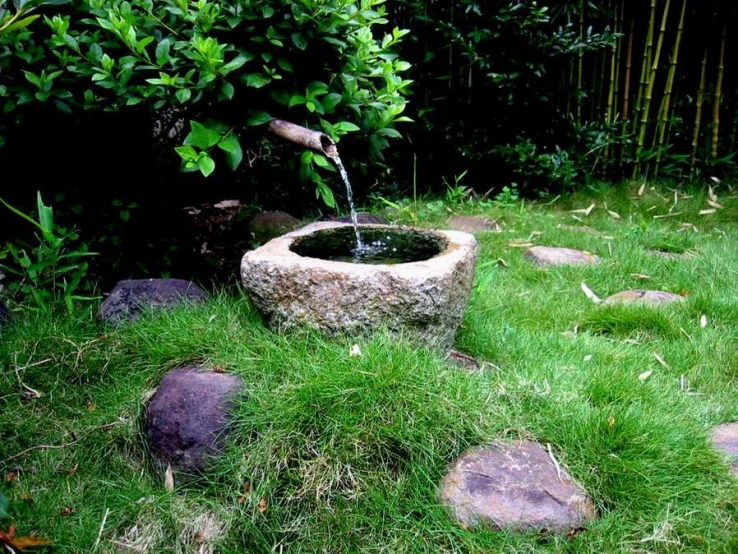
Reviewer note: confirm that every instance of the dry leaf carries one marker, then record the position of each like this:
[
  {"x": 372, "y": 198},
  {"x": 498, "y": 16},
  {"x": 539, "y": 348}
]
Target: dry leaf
[
  {"x": 66, "y": 511},
  {"x": 661, "y": 360},
  {"x": 610, "y": 422},
  {"x": 715, "y": 204},
  {"x": 590, "y": 294},
  {"x": 577, "y": 218},
  {"x": 642, "y": 189},
  {"x": 355, "y": 351},
  {"x": 640, "y": 276},
  {"x": 225, "y": 204},
  {"x": 711, "y": 192},
  {"x": 262, "y": 505},
  {"x": 645, "y": 375},
  {"x": 588, "y": 357},
  {"x": 519, "y": 244},
  {"x": 90, "y": 405},
  {"x": 662, "y": 216},
  {"x": 502, "y": 262},
  {"x": 585, "y": 211},
  {"x": 245, "y": 493},
  {"x": 708, "y": 212},
  {"x": 169, "y": 478},
  {"x": 703, "y": 321},
  {"x": 612, "y": 214},
  {"x": 19, "y": 544}
]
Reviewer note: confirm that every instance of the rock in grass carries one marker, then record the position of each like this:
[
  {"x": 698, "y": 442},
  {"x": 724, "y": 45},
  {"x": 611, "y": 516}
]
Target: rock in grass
[
  {"x": 725, "y": 439},
  {"x": 364, "y": 219},
  {"x": 473, "y": 224},
  {"x": 515, "y": 486},
  {"x": 129, "y": 298},
  {"x": 552, "y": 255},
  {"x": 651, "y": 297},
  {"x": 188, "y": 416},
  {"x": 268, "y": 225}
]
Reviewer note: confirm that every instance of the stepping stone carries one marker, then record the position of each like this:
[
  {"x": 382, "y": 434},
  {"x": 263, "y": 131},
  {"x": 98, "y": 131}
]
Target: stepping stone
[
  {"x": 131, "y": 297},
  {"x": 515, "y": 486},
  {"x": 268, "y": 225},
  {"x": 651, "y": 297},
  {"x": 552, "y": 255},
  {"x": 187, "y": 418},
  {"x": 472, "y": 224},
  {"x": 364, "y": 219},
  {"x": 725, "y": 439}
]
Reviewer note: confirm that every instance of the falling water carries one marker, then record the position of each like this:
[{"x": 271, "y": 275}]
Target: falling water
[{"x": 350, "y": 195}]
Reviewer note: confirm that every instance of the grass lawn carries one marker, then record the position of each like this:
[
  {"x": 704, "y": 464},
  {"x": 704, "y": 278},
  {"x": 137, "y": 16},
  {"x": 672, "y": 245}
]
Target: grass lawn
[{"x": 333, "y": 453}]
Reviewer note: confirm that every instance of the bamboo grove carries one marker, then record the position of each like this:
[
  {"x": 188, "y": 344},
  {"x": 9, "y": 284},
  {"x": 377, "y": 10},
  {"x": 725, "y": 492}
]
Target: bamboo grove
[{"x": 664, "y": 90}]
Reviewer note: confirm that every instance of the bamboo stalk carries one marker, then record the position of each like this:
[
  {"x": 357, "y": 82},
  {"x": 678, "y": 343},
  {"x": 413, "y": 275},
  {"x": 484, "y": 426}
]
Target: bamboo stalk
[
  {"x": 626, "y": 86},
  {"x": 666, "y": 99},
  {"x": 649, "y": 87},
  {"x": 718, "y": 95},
  {"x": 698, "y": 113},
  {"x": 580, "y": 64},
  {"x": 644, "y": 67},
  {"x": 612, "y": 88}
]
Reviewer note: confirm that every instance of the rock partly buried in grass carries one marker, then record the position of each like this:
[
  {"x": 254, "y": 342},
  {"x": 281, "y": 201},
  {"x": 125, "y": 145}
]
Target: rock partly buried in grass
[
  {"x": 131, "y": 297},
  {"x": 472, "y": 224},
  {"x": 268, "y": 225},
  {"x": 725, "y": 439},
  {"x": 515, "y": 486},
  {"x": 187, "y": 419},
  {"x": 651, "y": 297},
  {"x": 364, "y": 219},
  {"x": 553, "y": 255}
]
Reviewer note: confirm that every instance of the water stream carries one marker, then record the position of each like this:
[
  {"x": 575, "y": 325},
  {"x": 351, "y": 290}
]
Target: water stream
[{"x": 350, "y": 194}]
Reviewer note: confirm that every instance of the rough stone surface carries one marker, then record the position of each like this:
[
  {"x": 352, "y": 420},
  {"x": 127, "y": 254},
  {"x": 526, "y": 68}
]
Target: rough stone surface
[
  {"x": 652, "y": 297},
  {"x": 268, "y": 225},
  {"x": 472, "y": 224},
  {"x": 515, "y": 486},
  {"x": 553, "y": 255},
  {"x": 129, "y": 298},
  {"x": 364, "y": 219},
  {"x": 426, "y": 299},
  {"x": 187, "y": 418},
  {"x": 725, "y": 439}
]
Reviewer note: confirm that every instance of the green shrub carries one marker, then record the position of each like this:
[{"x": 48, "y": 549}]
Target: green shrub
[{"x": 227, "y": 66}]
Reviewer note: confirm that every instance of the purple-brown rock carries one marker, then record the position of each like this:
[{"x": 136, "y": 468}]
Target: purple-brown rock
[
  {"x": 473, "y": 224},
  {"x": 725, "y": 439},
  {"x": 187, "y": 419},
  {"x": 515, "y": 486},
  {"x": 651, "y": 297},
  {"x": 131, "y": 297},
  {"x": 553, "y": 255}
]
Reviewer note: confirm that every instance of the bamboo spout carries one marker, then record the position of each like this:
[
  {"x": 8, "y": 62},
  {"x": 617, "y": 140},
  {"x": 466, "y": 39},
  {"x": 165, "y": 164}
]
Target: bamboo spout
[{"x": 314, "y": 140}]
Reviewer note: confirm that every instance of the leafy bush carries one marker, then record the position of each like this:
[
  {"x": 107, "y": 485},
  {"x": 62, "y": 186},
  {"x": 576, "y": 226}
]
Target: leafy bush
[
  {"x": 52, "y": 272},
  {"x": 227, "y": 66}
]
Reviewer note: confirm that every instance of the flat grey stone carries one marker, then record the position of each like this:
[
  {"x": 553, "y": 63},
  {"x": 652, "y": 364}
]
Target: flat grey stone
[
  {"x": 425, "y": 299},
  {"x": 473, "y": 224},
  {"x": 268, "y": 225},
  {"x": 187, "y": 418},
  {"x": 364, "y": 219},
  {"x": 553, "y": 255},
  {"x": 515, "y": 486},
  {"x": 651, "y": 297},
  {"x": 725, "y": 439},
  {"x": 130, "y": 298}
]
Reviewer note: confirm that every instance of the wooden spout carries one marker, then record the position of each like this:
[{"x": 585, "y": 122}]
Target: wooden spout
[{"x": 314, "y": 140}]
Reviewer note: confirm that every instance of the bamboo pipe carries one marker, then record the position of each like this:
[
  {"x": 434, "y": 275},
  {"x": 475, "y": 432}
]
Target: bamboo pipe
[{"x": 314, "y": 140}]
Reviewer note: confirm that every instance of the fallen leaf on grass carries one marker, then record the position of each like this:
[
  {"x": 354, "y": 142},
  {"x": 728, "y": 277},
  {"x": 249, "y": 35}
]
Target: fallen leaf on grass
[
  {"x": 661, "y": 360},
  {"x": 640, "y": 276},
  {"x": 610, "y": 422},
  {"x": 519, "y": 244},
  {"x": 645, "y": 375},
  {"x": 66, "y": 511},
  {"x": 19, "y": 544},
  {"x": 585, "y": 211},
  {"x": 502, "y": 262},
  {"x": 169, "y": 478},
  {"x": 590, "y": 294},
  {"x": 708, "y": 212},
  {"x": 703, "y": 321},
  {"x": 642, "y": 189},
  {"x": 355, "y": 351},
  {"x": 711, "y": 192},
  {"x": 245, "y": 493},
  {"x": 612, "y": 214},
  {"x": 715, "y": 204},
  {"x": 262, "y": 505}
]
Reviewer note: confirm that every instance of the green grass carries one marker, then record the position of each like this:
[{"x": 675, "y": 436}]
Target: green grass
[{"x": 344, "y": 454}]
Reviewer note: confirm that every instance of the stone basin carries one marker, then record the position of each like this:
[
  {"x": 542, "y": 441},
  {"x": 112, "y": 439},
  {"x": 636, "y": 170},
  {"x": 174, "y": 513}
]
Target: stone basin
[{"x": 423, "y": 299}]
